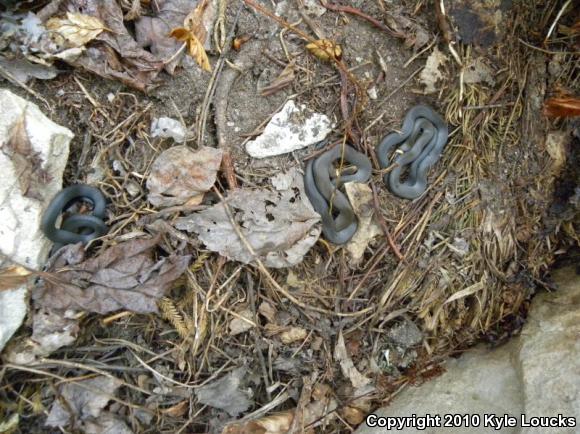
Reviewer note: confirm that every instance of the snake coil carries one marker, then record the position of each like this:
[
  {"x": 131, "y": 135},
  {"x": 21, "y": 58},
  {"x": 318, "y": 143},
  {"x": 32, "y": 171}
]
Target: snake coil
[
  {"x": 323, "y": 186},
  {"x": 77, "y": 227},
  {"x": 422, "y": 138}
]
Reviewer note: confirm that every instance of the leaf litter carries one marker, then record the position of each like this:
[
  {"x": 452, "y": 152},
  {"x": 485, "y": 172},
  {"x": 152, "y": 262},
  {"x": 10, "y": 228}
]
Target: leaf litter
[
  {"x": 280, "y": 226},
  {"x": 125, "y": 276}
]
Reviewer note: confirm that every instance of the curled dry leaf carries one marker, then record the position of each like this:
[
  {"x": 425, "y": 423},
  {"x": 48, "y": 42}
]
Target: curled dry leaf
[
  {"x": 124, "y": 276},
  {"x": 325, "y": 49},
  {"x": 239, "y": 41},
  {"x": 77, "y": 29},
  {"x": 181, "y": 175},
  {"x": 194, "y": 35},
  {"x": 565, "y": 107}
]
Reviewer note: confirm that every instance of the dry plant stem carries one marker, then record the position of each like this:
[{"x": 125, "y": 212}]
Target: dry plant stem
[
  {"x": 383, "y": 225},
  {"x": 358, "y": 12},
  {"x": 442, "y": 21},
  {"x": 11, "y": 78},
  {"x": 229, "y": 170},
  {"x": 269, "y": 276}
]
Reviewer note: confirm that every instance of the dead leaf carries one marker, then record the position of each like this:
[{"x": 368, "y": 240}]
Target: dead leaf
[
  {"x": 85, "y": 399},
  {"x": 477, "y": 71},
  {"x": 279, "y": 225},
  {"x": 325, "y": 49},
  {"x": 226, "y": 393},
  {"x": 114, "y": 54},
  {"x": 194, "y": 34},
  {"x": 177, "y": 410},
  {"x": 565, "y": 107},
  {"x": 239, "y": 41},
  {"x": 194, "y": 46},
  {"x": 106, "y": 423},
  {"x": 347, "y": 366},
  {"x": 319, "y": 411},
  {"x": 124, "y": 276},
  {"x": 292, "y": 335},
  {"x": 153, "y": 32},
  {"x": 180, "y": 174},
  {"x": 51, "y": 330},
  {"x": 77, "y": 29},
  {"x": 267, "y": 311},
  {"x": 23, "y": 70},
  {"x": 431, "y": 74},
  {"x": 239, "y": 325},
  {"x": 285, "y": 79},
  {"x": 13, "y": 277},
  {"x": 32, "y": 178},
  {"x": 361, "y": 198}
]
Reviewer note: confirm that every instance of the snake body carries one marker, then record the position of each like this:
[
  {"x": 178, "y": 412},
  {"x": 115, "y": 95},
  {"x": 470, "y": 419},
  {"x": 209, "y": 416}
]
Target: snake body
[
  {"x": 323, "y": 188},
  {"x": 78, "y": 227},
  {"x": 422, "y": 138}
]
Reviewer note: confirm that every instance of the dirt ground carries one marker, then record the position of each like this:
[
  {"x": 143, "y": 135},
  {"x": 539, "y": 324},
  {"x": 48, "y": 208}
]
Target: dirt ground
[{"x": 499, "y": 189}]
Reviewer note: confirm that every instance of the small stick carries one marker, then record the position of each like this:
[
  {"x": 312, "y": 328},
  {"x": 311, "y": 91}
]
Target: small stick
[
  {"x": 358, "y": 12},
  {"x": 383, "y": 225}
]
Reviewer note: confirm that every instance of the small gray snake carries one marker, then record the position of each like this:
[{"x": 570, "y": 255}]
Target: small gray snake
[
  {"x": 423, "y": 136},
  {"x": 78, "y": 227},
  {"x": 422, "y": 139},
  {"x": 323, "y": 188}
]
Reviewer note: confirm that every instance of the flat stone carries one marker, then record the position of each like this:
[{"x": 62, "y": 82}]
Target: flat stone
[
  {"x": 290, "y": 129},
  {"x": 479, "y": 382},
  {"x": 21, "y": 239},
  {"x": 550, "y": 353}
]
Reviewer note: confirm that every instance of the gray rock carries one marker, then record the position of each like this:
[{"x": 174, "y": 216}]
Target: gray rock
[
  {"x": 550, "y": 353},
  {"x": 479, "y": 382},
  {"x": 534, "y": 375},
  {"x": 21, "y": 240}
]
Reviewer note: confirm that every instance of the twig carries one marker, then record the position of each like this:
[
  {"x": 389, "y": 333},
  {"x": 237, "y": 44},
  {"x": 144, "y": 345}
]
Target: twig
[
  {"x": 358, "y": 12},
  {"x": 383, "y": 225}
]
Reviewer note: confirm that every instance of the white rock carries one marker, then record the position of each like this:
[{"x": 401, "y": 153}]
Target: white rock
[
  {"x": 168, "y": 127},
  {"x": 21, "y": 239},
  {"x": 290, "y": 129}
]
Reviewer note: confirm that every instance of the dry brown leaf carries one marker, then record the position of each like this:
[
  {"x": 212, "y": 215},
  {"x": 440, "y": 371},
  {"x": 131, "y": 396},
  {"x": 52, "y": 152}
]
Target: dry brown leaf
[
  {"x": 347, "y": 366},
  {"x": 13, "y": 277},
  {"x": 239, "y": 325},
  {"x": 193, "y": 34},
  {"x": 239, "y": 41},
  {"x": 325, "y": 50},
  {"x": 77, "y": 29},
  {"x": 285, "y": 79},
  {"x": 293, "y": 334},
  {"x": 177, "y": 410},
  {"x": 565, "y": 107},
  {"x": 28, "y": 164},
  {"x": 180, "y": 174},
  {"x": 124, "y": 276}
]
